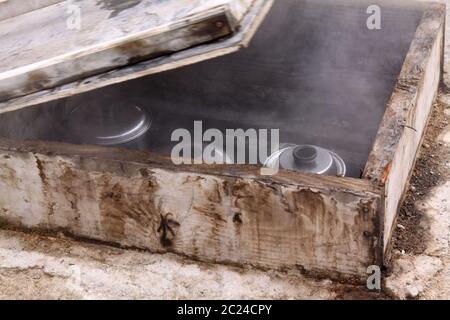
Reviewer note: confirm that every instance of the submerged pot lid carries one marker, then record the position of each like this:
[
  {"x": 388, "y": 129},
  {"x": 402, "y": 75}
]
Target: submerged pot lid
[
  {"x": 107, "y": 42},
  {"x": 307, "y": 158},
  {"x": 107, "y": 125}
]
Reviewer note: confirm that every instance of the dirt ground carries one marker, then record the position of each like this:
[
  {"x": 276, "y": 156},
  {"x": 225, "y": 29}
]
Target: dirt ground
[{"x": 38, "y": 267}]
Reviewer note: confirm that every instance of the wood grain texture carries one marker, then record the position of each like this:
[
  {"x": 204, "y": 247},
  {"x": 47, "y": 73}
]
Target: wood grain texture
[
  {"x": 234, "y": 217},
  {"x": 395, "y": 150},
  {"x": 39, "y": 50},
  {"x": 13, "y": 8},
  {"x": 240, "y": 38}
]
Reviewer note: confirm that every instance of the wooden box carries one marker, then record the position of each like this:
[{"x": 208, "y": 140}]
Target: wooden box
[{"x": 315, "y": 70}]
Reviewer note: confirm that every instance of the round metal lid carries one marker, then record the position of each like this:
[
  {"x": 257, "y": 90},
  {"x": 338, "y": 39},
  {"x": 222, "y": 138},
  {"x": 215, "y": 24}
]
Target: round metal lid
[
  {"x": 107, "y": 125},
  {"x": 307, "y": 158}
]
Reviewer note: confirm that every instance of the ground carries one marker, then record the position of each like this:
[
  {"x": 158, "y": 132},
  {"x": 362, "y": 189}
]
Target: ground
[{"x": 38, "y": 267}]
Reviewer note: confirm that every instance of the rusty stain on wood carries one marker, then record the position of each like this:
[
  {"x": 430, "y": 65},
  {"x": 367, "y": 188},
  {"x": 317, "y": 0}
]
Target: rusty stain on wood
[{"x": 386, "y": 173}]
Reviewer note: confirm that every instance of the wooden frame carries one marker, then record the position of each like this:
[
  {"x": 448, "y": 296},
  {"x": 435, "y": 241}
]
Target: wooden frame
[{"x": 323, "y": 226}]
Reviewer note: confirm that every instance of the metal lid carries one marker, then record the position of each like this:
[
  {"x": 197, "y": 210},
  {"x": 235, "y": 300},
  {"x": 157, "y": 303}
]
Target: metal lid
[
  {"x": 107, "y": 125},
  {"x": 307, "y": 158}
]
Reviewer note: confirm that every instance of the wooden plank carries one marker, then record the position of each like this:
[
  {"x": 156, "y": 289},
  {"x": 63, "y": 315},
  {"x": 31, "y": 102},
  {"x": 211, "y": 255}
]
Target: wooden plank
[
  {"x": 40, "y": 51},
  {"x": 13, "y": 8},
  {"x": 318, "y": 225},
  {"x": 240, "y": 38},
  {"x": 393, "y": 156}
]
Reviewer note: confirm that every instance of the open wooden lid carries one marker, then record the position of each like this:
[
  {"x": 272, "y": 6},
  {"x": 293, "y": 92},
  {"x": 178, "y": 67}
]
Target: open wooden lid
[{"x": 54, "y": 48}]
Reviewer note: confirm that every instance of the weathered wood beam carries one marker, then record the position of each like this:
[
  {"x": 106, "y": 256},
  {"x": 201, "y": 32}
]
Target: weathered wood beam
[
  {"x": 13, "y": 8},
  {"x": 394, "y": 153},
  {"x": 240, "y": 38},
  {"x": 40, "y": 51},
  {"x": 221, "y": 214}
]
